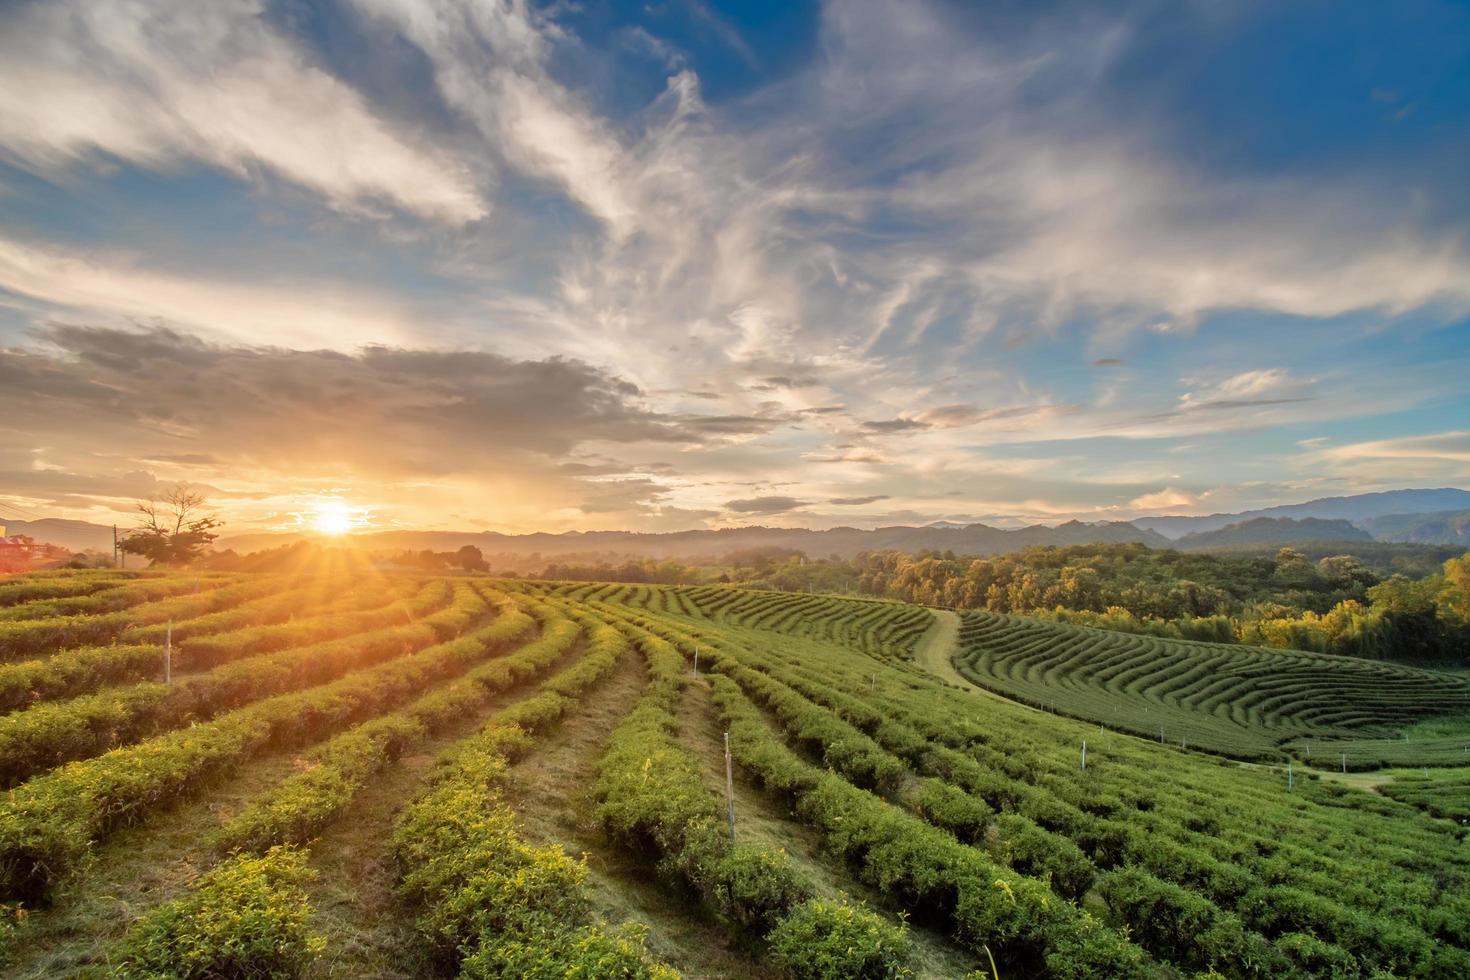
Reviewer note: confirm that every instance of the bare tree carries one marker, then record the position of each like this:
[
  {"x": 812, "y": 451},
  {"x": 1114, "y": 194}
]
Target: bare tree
[{"x": 173, "y": 529}]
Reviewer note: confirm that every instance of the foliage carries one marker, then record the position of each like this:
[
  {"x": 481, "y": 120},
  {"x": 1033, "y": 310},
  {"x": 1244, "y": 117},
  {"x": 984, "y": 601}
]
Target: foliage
[
  {"x": 173, "y": 530},
  {"x": 248, "y": 917},
  {"x": 834, "y": 941}
]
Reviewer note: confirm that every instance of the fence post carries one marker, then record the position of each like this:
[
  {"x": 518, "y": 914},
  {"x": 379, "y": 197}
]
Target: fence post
[
  {"x": 1344, "y": 763},
  {"x": 1084, "y": 755},
  {"x": 168, "y": 655},
  {"x": 696, "y": 660},
  {"x": 729, "y": 787}
]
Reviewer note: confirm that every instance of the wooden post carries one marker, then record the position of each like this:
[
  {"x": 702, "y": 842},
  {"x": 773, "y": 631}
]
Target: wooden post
[
  {"x": 1344, "y": 762},
  {"x": 696, "y": 660},
  {"x": 1161, "y": 734},
  {"x": 1084, "y": 755},
  {"x": 729, "y": 788},
  {"x": 168, "y": 655}
]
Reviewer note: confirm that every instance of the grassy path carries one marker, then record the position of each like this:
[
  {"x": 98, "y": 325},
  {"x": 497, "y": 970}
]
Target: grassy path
[{"x": 935, "y": 652}]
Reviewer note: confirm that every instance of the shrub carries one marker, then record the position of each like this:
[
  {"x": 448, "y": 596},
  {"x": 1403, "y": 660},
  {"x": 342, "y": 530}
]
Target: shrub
[
  {"x": 245, "y": 918},
  {"x": 823, "y": 940}
]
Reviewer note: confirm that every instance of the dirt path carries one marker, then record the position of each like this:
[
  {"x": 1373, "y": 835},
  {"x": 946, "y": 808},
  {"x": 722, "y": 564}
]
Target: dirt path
[{"x": 551, "y": 792}]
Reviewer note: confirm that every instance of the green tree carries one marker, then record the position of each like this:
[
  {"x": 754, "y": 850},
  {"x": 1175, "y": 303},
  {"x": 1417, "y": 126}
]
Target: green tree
[{"x": 174, "y": 529}]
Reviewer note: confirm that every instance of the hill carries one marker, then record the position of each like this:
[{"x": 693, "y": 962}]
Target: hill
[
  {"x": 72, "y": 535},
  {"x": 375, "y": 775},
  {"x": 1356, "y": 508},
  {"x": 1272, "y": 530},
  {"x": 1450, "y": 527}
]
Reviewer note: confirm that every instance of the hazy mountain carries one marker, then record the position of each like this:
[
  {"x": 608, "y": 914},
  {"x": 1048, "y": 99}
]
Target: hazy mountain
[
  {"x": 75, "y": 535},
  {"x": 1357, "y": 508},
  {"x": 1444, "y": 527},
  {"x": 973, "y": 539},
  {"x": 1273, "y": 530}
]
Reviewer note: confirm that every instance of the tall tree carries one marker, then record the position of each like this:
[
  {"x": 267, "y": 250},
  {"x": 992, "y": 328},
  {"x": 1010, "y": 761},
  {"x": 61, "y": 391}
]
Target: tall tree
[{"x": 173, "y": 529}]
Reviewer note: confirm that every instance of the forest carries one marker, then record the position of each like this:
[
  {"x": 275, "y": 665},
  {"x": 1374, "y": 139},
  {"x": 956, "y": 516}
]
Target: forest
[{"x": 1338, "y": 603}]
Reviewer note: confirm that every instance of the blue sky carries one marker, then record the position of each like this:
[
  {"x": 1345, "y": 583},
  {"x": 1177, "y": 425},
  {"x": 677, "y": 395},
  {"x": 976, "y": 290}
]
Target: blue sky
[{"x": 680, "y": 264}]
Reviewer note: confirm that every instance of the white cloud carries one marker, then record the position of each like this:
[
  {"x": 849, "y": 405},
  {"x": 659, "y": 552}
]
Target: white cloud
[
  {"x": 1451, "y": 446},
  {"x": 159, "y": 84},
  {"x": 1168, "y": 498},
  {"x": 289, "y": 313}
]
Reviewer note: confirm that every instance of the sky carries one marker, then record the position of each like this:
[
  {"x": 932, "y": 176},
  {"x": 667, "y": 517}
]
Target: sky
[{"x": 489, "y": 265}]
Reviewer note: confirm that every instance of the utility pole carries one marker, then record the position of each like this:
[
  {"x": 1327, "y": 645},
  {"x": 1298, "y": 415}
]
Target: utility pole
[{"x": 729, "y": 788}]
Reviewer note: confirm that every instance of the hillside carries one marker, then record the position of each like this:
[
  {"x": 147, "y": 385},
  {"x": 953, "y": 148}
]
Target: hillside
[
  {"x": 1443, "y": 528},
  {"x": 1272, "y": 530},
  {"x": 418, "y": 776},
  {"x": 1356, "y": 508},
  {"x": 73, "y": 535}
]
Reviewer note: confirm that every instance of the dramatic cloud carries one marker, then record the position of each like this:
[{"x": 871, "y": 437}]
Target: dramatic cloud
[
  {"x": 927, "y": 247},
  {"x": 386, "y": 412}
]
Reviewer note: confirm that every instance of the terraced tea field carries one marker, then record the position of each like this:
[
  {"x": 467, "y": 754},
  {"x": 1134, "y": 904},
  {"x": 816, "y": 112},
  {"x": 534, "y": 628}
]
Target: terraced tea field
[
  {"x": 1242, "y": 701},
  {"x": 415, "y": 776}
]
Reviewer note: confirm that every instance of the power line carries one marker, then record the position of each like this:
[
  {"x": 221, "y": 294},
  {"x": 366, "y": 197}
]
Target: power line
[{"x": 24, "y": 514}]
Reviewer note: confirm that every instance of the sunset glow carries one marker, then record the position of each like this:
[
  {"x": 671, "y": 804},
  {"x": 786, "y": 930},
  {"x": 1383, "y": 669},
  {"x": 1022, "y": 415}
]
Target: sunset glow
[{"x": 333, "y": 518}]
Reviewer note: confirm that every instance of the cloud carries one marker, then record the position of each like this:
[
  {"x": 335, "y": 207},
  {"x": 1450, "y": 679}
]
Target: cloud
[
  {"x": 895, "y": 425},
  {"x": 1270, "y": 386},
  {"x": 1453, "y": 446},
  {"x": 1108, "y": 362},
  {"x": 1168, "y": 498},
  {"x": 858, "y": 501},
  {"x": 299, "y": 313},
  {"x": 159, "y": 85},
  {"x": 385, "y": 411},
  {"x": 764, "y": 505}
]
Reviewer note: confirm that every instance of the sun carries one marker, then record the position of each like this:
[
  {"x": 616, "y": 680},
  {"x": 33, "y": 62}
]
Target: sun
[{"x": 332, "y": 518}]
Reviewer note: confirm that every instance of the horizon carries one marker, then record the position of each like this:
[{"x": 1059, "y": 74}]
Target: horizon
[{"x": 687, "y": 266}]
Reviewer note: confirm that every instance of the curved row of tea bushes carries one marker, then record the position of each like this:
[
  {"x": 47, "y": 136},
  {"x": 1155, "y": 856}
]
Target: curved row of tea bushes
[
  {"x": 47, "y": 585},
  {"x": 51, "y": 734},
  {"x": 248, "y": 917},
  {"x": 297, "y": 809},
  {"x": 82, "y": 670},
  {"x": 921, "y": 866},
  {"x": 1238, "y": 700},
  {"x": 652, "y": 799},
  {"x": 24, "y": 639},
  {"x": 1128, "y": 814},
  {"x": 487, "y": 903},
  {"x": 118, "y": 595},
  {"x": 53, "y": 821}
]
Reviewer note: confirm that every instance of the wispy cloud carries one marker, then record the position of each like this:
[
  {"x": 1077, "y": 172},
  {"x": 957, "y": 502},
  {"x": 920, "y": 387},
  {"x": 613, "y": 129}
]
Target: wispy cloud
[{"x": 162, "y": 85}]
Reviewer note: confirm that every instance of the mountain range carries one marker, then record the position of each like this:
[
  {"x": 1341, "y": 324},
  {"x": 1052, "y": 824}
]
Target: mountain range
[{"x": 1437, "y": 516}]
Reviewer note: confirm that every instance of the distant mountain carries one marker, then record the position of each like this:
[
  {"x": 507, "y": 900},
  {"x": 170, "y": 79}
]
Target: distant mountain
[
  {"x": 1357, "y": 508},
  {"x": 1444, "y": 527},
  {"x": 1273, "y": 531},
  {"x": 73, "y": 535},
  {"x": 845, "y": 542}
]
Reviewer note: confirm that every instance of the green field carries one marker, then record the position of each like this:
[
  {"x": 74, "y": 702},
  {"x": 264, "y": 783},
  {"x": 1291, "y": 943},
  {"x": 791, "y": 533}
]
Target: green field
[
  {"x": 384, "y": 776},
  {"x": 1247, "y": 702}
]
